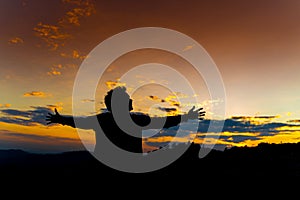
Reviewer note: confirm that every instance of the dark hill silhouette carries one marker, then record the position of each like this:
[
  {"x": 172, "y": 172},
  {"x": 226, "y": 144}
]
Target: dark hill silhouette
[{"x": 274, "y": 160}]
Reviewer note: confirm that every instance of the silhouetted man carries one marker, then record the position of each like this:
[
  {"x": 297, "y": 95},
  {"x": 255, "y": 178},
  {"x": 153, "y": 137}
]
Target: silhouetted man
[{"x": 111, "y": 128}]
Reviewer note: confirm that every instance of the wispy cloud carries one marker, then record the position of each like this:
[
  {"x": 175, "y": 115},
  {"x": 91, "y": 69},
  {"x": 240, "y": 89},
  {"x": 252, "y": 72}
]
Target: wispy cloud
[
  {"x": 6, "y": 105},
  {"x": 81, "y": 9},
  {"x": 113, "y": 84},
  {"x": 58, "y": 106},
  {"x": 189, "y": 47},
  {"x": 52, "y": 35},
  {"x": 156, "y": 98},
  {"x": 55, "y": 70},
  {"x": 294, "y": 121},
  {"x": 255, "y": 119},
  {"x": 56, "y": 35},
  {"x": 16, "y": 40},
  {"x": 75, "y": 54},
  {"x": 36, "y": 115},
  {"x": 170, "y": 99},
  {"x": 169, "y": 111},
  {"x": 36, "y": 94},
  {"x": 88, "y": 100}
]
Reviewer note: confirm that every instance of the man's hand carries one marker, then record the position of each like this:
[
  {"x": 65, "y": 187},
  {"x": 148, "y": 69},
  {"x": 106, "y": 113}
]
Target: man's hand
[
  {"x": 50, "y": 118},
  {"x": 196, "y": 114}
]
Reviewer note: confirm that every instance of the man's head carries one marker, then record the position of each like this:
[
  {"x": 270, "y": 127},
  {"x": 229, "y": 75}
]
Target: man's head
[{"x": 120, "y": 96}]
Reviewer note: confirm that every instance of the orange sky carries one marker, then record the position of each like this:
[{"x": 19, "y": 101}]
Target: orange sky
[{"x": 255, "y": 45}]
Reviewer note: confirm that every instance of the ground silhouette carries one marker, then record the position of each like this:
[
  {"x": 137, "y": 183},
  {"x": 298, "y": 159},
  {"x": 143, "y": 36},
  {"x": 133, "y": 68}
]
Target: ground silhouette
[{"x": 265, "y": 160}]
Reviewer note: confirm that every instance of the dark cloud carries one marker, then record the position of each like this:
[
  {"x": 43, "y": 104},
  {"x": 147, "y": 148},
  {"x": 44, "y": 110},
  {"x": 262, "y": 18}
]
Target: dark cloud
[
  {"x": 236, "y": 126},
  {"x": 239, "y": 130},
  {"x": 167, "y": 109},
  {"x": 294, "y": 121},
  {"x": 25, "y": 117},
  {"x": 253, "y": 117},
  {"x": 156, "y": 98}
]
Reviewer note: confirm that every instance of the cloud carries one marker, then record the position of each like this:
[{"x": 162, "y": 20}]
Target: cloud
[
  {"x": 25, "y": 117},
  {"x": 88, "y": 100},
  {"x": 6, "y": 105},
  {"x": 58, "y": 106},
  {"x": 169, "y": 99},
  {"x": 36, "y": 94},
  {"x": 53, "y": 36},
  {"x": 75, "y": 54},
  {"x": 189, "y": 47},
  {"x": 235, "y": 126},
  {"x": 253, "y": 117},
  {"x": 57, "y": 70},
  {"x": 16, "y": 40},
  {"x": 56, "y": 35},
  {"x": 294, "y": 121},
  {"x": 235, "y": 132},
  {"x": 54, "y": 72},
  {"x": 156, "y": 98},
  {"x": 167, "y": 109},
  {"x": 81, "y": 9},
  {"x": 113, "y": 84}
]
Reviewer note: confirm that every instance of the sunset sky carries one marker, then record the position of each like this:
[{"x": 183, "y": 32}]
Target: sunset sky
[{"x": 255, "y": 45}]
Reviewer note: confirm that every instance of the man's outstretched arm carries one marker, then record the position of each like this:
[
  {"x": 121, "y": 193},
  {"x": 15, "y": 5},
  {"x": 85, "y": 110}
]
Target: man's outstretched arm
[
  {"x": 167, "y": 122},
  {"x": 59, "y": 119},
  {"x": 192, "y": 114}
]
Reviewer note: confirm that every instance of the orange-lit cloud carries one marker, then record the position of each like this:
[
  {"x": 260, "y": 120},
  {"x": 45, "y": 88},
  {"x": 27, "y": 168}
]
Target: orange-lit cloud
[
  {"x": 113, "y": 84},
  {"x": 88, "y": 100},
  {"x": 54, "y": 72},
  {"x": 166, "y": 103},
  {"x": 16, "y": 40},
  {"x": 51, "y": 34},
  {"x": 156, "y": 98},
  {"x": 6, "y": 105},
  {"x": 294, "y": 121},
  {"x": 189, "y": 47},
  {"x": 75, "y": 54},
  {"x": 169, "y": 99},
  {"x": 58, "y": 106},
  {"x": 82, "y": 8},
  {"x": 56, "y": 35},
  {"x": 255, "y": 119},
  {"x": 36, "y": 94},
  {"x": 59, "y": 69}
]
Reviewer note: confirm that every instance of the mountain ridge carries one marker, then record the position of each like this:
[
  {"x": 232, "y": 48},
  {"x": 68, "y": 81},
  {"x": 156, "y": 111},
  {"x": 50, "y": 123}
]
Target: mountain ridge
[{"x": 263, "y": 160}]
